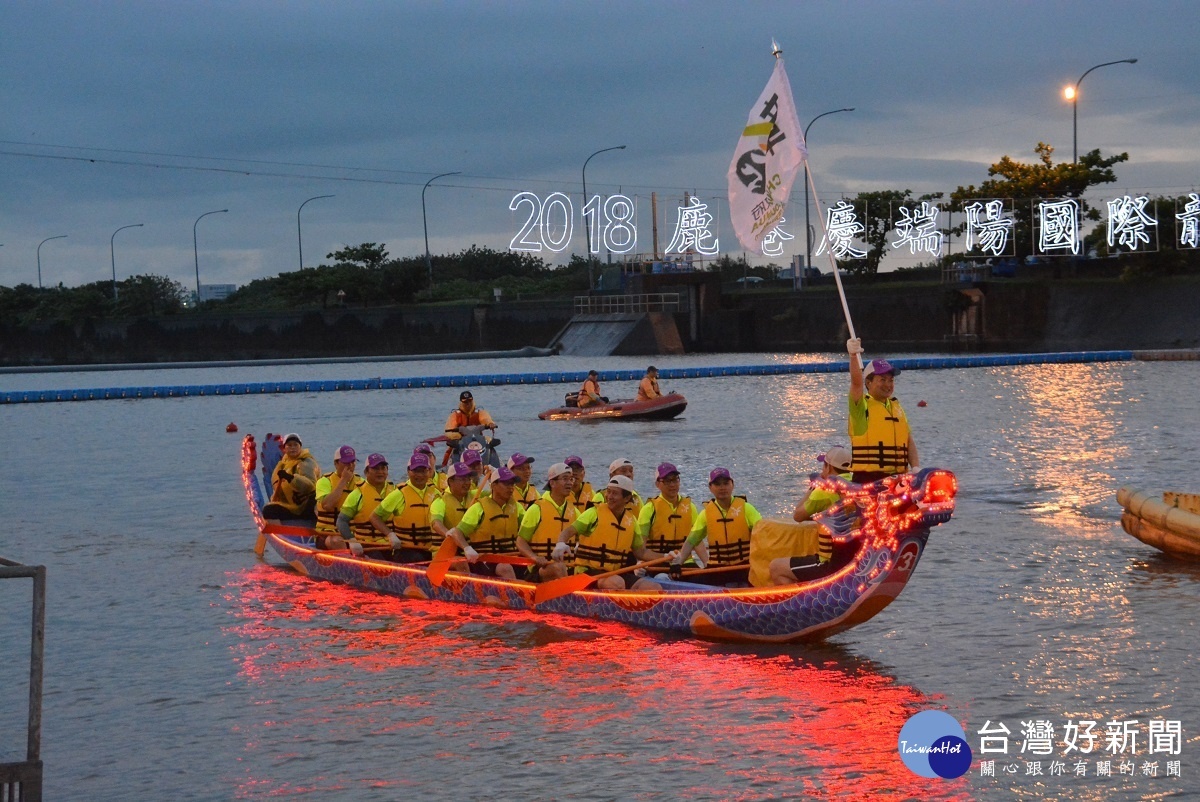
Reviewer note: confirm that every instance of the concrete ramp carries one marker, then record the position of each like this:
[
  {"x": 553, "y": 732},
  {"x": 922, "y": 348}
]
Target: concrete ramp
[{"x": 622, "y": 334}]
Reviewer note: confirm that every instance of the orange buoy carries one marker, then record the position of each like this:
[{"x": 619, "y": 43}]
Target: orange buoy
[
  {"x": 231, "y": 428},
  {"x": 919, "y": 403}
]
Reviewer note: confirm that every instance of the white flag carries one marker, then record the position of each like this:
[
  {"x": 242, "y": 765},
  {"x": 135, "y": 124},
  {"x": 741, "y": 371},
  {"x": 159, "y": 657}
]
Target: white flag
[{"x": 769, "y": 152}]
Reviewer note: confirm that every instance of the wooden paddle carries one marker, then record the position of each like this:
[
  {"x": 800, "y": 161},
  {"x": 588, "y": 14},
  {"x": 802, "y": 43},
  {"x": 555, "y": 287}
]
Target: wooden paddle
[
  {"x": 569, "y": 584},
  {"x": 436, "y": 573}
]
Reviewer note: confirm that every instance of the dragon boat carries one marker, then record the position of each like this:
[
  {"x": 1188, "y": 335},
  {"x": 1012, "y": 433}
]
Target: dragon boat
[
  {"x": 1170, "y": 523},
  {"x": 664, "y": 407},
  {"x": 879, "y": 532}
]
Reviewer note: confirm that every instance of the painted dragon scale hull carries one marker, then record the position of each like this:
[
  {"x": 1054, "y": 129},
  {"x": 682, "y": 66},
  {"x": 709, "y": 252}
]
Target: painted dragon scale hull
[{"x": 879, "y": 550}]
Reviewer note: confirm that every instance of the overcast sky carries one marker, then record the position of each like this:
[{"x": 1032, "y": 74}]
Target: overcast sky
[{"x": 118, "y": 113}]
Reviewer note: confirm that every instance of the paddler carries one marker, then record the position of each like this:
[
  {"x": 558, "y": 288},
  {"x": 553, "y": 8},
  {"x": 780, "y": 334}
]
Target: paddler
[
  {"x": 726, "y": 521},
  {"x": 490, "y": 525},
  {"x": 293, "y": 485},
  {"x": 648, "y": 388},
  {"x": 332, "y": 489},
  {"x": 880, "y": 441},
  {"x": 544, "y": 519},
  {"x": 406, "y": 511},
  {"x": 834, "y": 462},
  {"x": 622, "y": 467},
  {"x": 581, "y": 493},
  {"x": 589, "y": 393},
  {"x": 666, "y": 519},
  {"x": 524, "y": 492},
  {"x": 356, "y": 519},
  {"x": 608, "y": 540},
  {"x": 439, "y": 477},
  {"x": 448, "y": 508}
]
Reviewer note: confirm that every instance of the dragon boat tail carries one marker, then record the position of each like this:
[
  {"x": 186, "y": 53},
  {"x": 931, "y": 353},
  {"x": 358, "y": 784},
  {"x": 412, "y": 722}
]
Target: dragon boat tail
[{"x": 879, "y": 532}]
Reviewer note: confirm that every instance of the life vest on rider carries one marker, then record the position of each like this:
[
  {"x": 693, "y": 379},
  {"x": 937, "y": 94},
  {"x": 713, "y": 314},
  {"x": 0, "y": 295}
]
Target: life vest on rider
[
  {"x": 648, "y": 389},
  {"x": 360, "y": 524},
  {"x": 526, "y": 495},
  {"x": 327, "y": 521},
  {"x": 583, "y": 499},
  {"x": 584, "y": 396},
  {"x": 456, "y": 509},
  {"x": 412, "y": 523},
  {"x": 296, "y": 494},
  {"x": 553, "y": 522},
  {"x": 883, "y": 446},
  {"x": 497, "y": 532},
  {"x": 728, "y": 532},
  {"x": 460, "y": 418},
  {"x": 669, "y": 525},
  {"x": 609, "y": 545}
]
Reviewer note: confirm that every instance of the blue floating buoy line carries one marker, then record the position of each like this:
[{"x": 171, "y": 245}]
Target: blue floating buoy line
[{"x": 552, "y": 377}]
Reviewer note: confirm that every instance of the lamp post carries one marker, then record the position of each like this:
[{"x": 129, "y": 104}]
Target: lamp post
[
  {"x": 425, "y": 224},
  {"x": 587, "y": 245},
  {"x": 1071, "y": 93},
  {"x": 196, "y": 249},
  {"x": 299, "y": 239},
  {"x": 39, "y": 255},
  {"x": 112, "y": 251},
  {"x": 807, "y": 226}
]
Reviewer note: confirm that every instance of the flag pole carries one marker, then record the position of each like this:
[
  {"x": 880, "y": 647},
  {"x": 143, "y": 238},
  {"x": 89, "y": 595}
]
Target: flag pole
[{"x": 832, "y": 262}]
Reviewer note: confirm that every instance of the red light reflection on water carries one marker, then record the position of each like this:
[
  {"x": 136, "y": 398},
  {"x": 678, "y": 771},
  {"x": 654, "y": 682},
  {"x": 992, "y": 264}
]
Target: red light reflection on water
[{"x": 749, "y": 722}]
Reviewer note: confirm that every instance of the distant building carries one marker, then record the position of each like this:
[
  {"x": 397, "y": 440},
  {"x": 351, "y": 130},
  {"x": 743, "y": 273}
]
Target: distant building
[{"x": 216, "y": 292}]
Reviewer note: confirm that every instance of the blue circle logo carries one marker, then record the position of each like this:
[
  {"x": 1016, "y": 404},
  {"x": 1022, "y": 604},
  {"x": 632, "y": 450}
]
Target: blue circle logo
[{"x": 932, "y": 744}]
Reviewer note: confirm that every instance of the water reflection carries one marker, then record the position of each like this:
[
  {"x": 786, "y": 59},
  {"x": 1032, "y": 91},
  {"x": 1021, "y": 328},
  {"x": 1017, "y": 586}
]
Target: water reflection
[{"x": 508, "y": 696}]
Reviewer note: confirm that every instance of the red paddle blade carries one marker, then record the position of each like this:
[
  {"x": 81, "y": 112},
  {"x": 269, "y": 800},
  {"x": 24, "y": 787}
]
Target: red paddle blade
[
  {"x": 436, "y": 573},
  {"x": 561, "y": 587}
]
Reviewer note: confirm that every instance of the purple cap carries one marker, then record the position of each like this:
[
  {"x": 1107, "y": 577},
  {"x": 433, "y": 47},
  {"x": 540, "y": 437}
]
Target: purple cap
[
  {"x": 879, "y": 367},
  {"x": 472, "y": 457},
  {"x": 457, "y": 469},
  {"x": 719, "y": 473},
  {"x": 504, "y": 475},
  {"x": 375, "y": 460},
  {"x": 417, "y": 461},
  {"x": 666, "y": 469},
  {"x": 424, "y": 448},
  {"x": 345, "y": 455},
  {"x": 518, "y": 459},
  {"x": 574, "y": 461}
]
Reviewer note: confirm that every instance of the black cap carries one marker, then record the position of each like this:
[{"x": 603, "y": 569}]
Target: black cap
[{"x": 465, "y": 395}]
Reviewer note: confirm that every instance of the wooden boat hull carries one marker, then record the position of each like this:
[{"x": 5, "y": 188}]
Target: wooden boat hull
[
  {"x": 662, "y": 408},
  {"x": 881, "y": 563},
  {"x": 1171, "y": 529}
]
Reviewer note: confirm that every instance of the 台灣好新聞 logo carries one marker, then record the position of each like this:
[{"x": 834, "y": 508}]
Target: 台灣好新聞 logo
[{"x": 933, "y": 744}]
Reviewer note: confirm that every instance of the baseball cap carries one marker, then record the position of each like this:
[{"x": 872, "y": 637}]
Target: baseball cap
[
  {"x": 879, "y": 367},
  {"x": 344, "y": 455},
  {"x": 417, "y": 461},
  {"x": 574, "y": 461},
  {"x": 558, "y": 469},
  {"x": 618, "y": 464},
  {"x": 375, "y": 460},
  {"x": 465, "y": 395},
  {"x": 719, "y": 473},
  {"x": 837, "y": 457},
  {"x": 666, "y": 469},
  {"x": 623, "y": 482},
  {"x": 472, "y": 457},
  {"x": 518, "y": 459},
  {"x": 458, "y": 469},
  {"x": 423, "y": 448},
  {"x": 504, "y": 475},
  {"x": 293, "y": 436}
]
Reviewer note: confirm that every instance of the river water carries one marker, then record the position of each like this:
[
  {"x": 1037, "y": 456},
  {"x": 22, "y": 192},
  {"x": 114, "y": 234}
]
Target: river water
[{"x": 179, "y": 667}]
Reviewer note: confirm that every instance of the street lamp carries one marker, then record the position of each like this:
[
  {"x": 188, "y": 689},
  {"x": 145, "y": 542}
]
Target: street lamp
[
  {"x": 807, "y": 227},
  {"x": 425, "y": 224},
  {"x": 587, "y": 245},
  {"x": 112, "y": 251},
  {"x": 196, "y": 249},
  {"x": 299, "y": 239},
  {"x": 39, "y": 255},
  {"x": 1071, "y": 93}
]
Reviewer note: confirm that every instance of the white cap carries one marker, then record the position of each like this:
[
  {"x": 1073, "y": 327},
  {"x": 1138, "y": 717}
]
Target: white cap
[
  {"x": 618, "y": 464},
  {"x": 838, "y": 458},
  {"x": 558, "y": 469},
  {"x": 623, "y": 482}
]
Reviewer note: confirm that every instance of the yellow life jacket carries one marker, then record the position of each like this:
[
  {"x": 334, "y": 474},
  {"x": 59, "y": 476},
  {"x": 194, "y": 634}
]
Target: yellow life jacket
[
  {"x": 884, "y": 445},
  {"x": 728, "y": 532},
  {"x": 583, "y": 499},
  {"x": 608, "y": 547},
  {"x": 327, "y": 521},
  {"x": 525, "y": 496},
  {"x": 552, "y": 523},
  {"x": 360, "y": 524},
  {"x": 296, "y": 495},
  {"x": 497, "y": 532},
  {"x": 455, "y": 509},
  {"x": 412, "y": 525},
  {"x": 669, "y": 527}
]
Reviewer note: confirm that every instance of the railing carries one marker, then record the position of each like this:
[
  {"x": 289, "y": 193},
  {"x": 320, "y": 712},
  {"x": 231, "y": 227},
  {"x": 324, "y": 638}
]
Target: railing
[
  {"x": 627, "y": 304},
  {"x": 962, "y": 273},
  {"x": 22, "y": 782}
]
